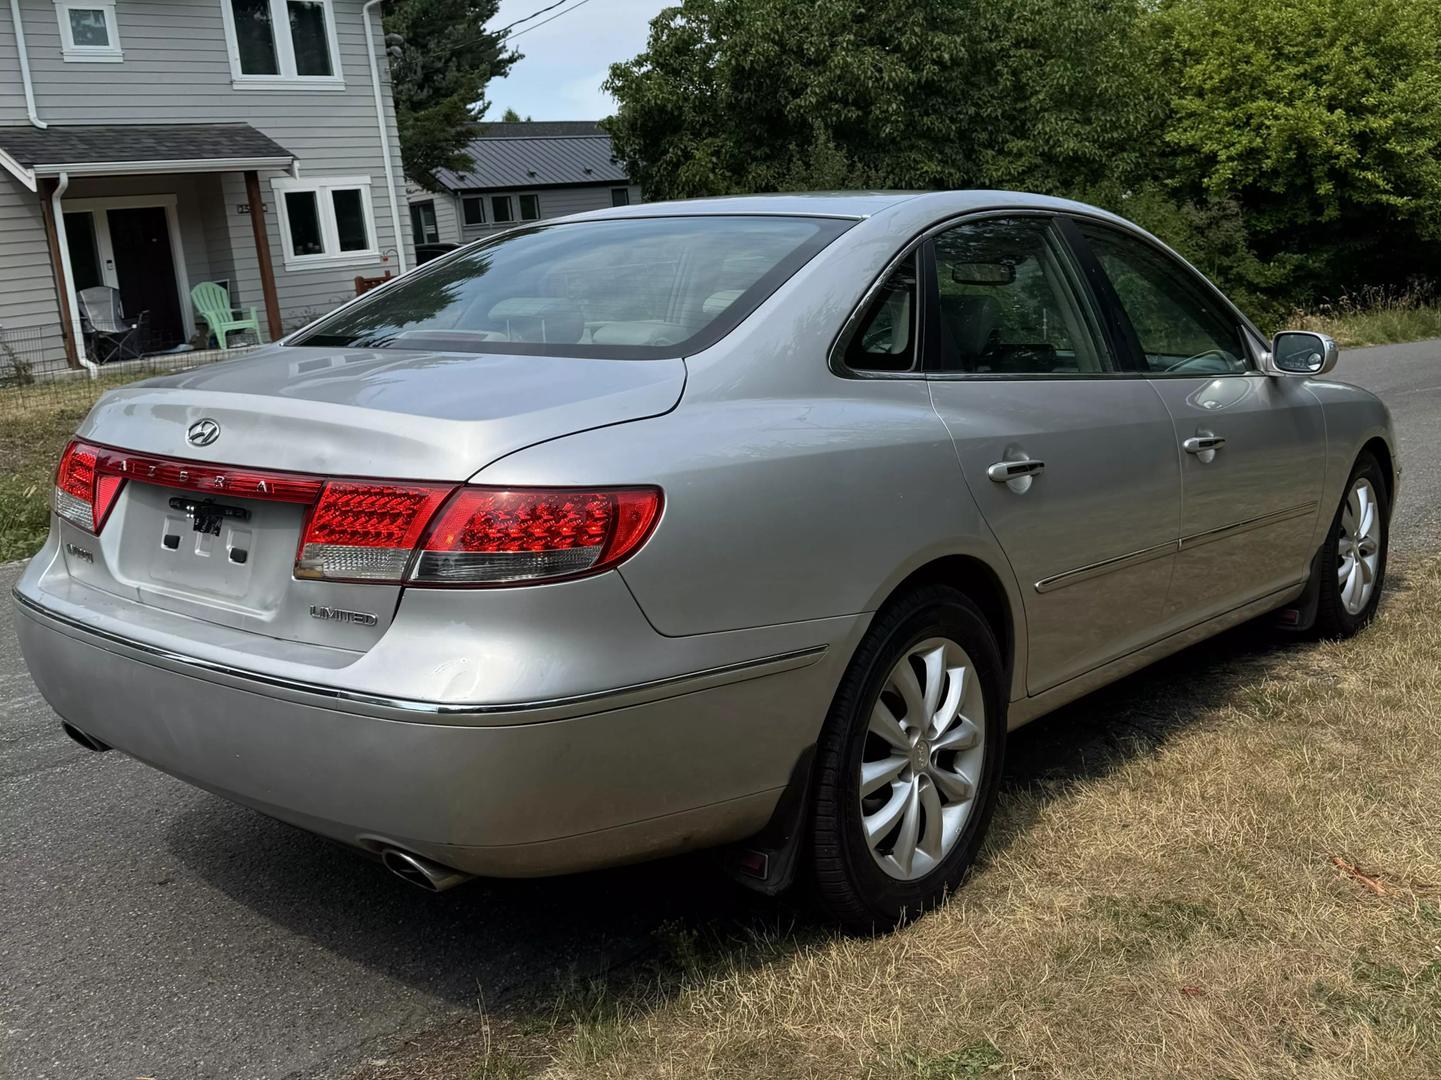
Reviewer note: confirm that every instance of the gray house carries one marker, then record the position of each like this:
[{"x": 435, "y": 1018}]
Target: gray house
[
  {"x": 526, "y": 170},
  {"x": 151, "y": 146}
]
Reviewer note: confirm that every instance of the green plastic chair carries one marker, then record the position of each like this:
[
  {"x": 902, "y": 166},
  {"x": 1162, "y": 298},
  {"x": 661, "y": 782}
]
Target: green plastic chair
[{"x": 213, "y": 304}]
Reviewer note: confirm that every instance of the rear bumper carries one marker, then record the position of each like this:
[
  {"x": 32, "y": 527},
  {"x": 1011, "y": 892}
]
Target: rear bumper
[{"x": 548, "y": 787}]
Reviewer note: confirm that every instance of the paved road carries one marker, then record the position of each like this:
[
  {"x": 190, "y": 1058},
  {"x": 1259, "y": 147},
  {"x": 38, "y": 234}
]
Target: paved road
[{"x": 149, "y": 929}]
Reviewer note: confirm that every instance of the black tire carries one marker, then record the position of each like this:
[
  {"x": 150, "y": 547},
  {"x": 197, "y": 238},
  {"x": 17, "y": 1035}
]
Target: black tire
[
  {"x": 849, "y": 883},
  {"x": 1332, "y": 618}
]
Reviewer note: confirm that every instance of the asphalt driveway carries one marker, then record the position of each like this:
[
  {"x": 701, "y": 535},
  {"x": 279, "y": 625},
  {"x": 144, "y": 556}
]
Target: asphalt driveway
[{"x": 153, "y": 930}]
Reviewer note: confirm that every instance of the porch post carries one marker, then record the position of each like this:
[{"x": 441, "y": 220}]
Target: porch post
[
  {"x": 262, "y": 255},
  {"x": 57, "y": 265}
]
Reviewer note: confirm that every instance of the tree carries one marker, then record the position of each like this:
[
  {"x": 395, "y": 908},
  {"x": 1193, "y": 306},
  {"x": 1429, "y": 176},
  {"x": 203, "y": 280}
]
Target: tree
[
  {"x": 1321, "y": 120},
  {"x": 441, "y": 61},
  {"x": 756, "y": 95},
  {"x": 510, "y": 116}
]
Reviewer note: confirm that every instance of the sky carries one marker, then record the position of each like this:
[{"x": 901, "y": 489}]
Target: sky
[{"x": 567, "y": 59}]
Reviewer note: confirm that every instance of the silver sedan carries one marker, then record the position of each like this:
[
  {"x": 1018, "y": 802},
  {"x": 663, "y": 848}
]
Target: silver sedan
[{"x": 748, "y": 522}]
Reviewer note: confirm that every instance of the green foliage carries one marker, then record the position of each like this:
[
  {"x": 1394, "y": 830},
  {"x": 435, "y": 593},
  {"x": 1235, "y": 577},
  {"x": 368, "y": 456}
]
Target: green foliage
[
  {"x": 442, "y": 57},
  {"x": 1320, "y": 119},
  {"x": 759, "y": 95},
  {"x": 1291, "y": 149}
]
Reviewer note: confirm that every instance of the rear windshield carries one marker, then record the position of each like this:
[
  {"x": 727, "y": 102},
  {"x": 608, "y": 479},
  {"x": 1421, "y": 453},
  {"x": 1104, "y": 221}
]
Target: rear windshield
[{"x": 618, "y": 288}]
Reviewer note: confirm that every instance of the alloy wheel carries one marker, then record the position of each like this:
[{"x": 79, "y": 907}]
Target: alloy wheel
[
  {"x": 1358, "y": 549},
  {"x": 922, "y": 759}
]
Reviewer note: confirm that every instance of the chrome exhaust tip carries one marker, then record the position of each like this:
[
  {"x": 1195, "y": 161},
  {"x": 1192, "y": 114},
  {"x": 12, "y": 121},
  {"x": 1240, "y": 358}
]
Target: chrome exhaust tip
[
  {"x": 420, "y": 871},
  {"x": 87, "y": 741}
]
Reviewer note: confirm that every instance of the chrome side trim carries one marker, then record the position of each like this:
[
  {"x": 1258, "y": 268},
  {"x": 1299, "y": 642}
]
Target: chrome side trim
[
  {"x": 1134, "y": 558},
  {"x": 1234, "y": 529},
  {"x": 1105, "y": 566},
  {"x": 421, "y": 708}
]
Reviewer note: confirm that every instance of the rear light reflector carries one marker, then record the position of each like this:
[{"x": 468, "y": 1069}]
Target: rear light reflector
[
  {"x": 496, "y": 536},
  {"x": 397, "y": 532},
  {"x": 84, "y": 492},
  {"x": 363, "y": 531}
]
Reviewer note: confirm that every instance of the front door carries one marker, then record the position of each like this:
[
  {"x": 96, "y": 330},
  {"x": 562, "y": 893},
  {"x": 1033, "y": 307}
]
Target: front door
[
  {"x": 1072, "y": 462},
  {"x": 1252, "y": 448},
  {"x": 145, "y": 271}
]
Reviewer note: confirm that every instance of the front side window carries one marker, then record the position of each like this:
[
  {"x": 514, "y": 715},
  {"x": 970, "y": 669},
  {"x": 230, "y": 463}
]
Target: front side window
[
  {"x": 1004, "y": 305},
  {"x": 282, "y": 39},
  {"x": 88, "y": 31},
  {"x": 422, "y": 223},
  {"x": 472, "y": 207},
  {"x": 630, "y": 289},
  {"x": 325, "y": 221},
  {"x": 884, "y": 339},
  {"x": 1180, "y": 327}
]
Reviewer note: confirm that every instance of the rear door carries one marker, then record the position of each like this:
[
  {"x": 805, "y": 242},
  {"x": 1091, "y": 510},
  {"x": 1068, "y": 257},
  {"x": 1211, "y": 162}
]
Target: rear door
[
  {"x": 1251, "y": 447},
  {"x": 1071, "y": 461}
]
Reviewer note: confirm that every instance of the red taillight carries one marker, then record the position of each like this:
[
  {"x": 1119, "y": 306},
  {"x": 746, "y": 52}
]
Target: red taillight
[
  {"x": 496, "y": 536},
  {"x": 366, "y": 531},
  {"x": 84, "y": 492},
  {"x": 383, "y": 531}
]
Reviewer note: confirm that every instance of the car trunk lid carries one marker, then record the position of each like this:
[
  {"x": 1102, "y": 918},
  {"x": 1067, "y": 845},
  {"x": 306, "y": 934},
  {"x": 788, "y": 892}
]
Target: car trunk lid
[{"x": 189, "y": 539}]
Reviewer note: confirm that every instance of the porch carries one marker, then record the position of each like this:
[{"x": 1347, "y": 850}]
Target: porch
[{"x": 149, "y": 212}]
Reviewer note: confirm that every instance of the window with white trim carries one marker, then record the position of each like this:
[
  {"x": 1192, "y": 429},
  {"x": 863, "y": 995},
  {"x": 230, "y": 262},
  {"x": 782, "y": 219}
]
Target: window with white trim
[
  {"x": 620, "y": 196},
  {"x": 326, "y": 221},
  {"x": 288, "y": 43},
  {"x": 88, "y": 32},
  {"x": 501, "y": 211},
  {"x": 529, "y": 207},
  {"x": 472, "y": 209}
]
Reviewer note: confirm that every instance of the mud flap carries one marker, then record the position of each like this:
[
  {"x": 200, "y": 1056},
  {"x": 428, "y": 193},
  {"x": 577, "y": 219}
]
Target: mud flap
[
  {"x": 1300, "y": 614},
  {"x": 769, "y": 860}
]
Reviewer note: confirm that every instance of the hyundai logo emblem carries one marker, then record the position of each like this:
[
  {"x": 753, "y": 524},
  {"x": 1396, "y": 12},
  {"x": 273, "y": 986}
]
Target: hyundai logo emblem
[{"x": 203, "y": 432}]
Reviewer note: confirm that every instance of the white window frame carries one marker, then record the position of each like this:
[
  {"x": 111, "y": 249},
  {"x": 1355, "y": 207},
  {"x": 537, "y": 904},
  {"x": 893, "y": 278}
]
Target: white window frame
[
  {"x": 484, "y": 217},
  {"x": 514, "y": 216},
  {"x": 322, "y": 187},
  {"x": 520, "y": 214},
  {"x": 287, "y": 79},
  {"x": 89, "y": 54}
]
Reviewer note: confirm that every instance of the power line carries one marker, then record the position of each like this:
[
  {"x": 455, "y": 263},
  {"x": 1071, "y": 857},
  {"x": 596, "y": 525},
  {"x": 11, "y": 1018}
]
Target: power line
[
  {"x": 558, "y": 14},
  {"x": 532, "y": 15}
]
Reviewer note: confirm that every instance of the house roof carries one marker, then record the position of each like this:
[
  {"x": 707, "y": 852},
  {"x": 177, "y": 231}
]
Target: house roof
[
  {"x": 536, "y": 154},
  {"x": 29, "y": 152}
]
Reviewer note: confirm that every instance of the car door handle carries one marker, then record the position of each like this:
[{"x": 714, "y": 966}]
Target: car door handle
[
  {"x": 1003, "y": 472},
  {"x": 1199, "y": 444}
]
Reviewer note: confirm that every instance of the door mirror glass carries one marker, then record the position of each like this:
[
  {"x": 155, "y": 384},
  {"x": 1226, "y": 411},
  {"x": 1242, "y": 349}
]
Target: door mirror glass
[{"x": 1301, "y": 352}]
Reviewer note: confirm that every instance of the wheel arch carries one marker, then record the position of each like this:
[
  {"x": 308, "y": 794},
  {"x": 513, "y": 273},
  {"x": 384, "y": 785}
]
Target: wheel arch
[
  {"x": 978, "y": 580},
  {"x": 1380, "y": 449}
]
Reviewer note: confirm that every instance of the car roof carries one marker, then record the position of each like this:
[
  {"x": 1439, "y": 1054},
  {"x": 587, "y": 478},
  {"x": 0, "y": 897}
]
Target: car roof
[{"x": 855, "y": 205}]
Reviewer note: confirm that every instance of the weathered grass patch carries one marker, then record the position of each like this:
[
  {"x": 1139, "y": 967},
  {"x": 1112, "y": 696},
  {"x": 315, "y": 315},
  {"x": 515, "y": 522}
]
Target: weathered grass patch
[
  {"x": 1228, "y": 866},
  {"x": 1376, "y": 317}
]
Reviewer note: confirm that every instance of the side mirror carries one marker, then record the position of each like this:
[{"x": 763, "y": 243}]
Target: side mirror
[{"x": 1301, "y": 352}]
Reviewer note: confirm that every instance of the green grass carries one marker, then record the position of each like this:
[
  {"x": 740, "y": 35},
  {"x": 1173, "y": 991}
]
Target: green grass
[
  {"x": 1375, "y": 317},
  {"x": 35, "y": 423}
]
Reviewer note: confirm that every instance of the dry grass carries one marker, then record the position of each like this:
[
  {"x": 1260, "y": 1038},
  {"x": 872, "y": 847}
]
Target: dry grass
[
  {"x": 1375, "y": 317},
  {"x": 1226, "y": 868}
]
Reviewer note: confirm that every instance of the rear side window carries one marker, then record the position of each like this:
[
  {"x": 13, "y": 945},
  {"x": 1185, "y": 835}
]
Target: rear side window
[
  {"x": 1180, "y": 326},
  {"x": 1005, "y": 305},
  {"x": 885, "y": 337},
  {"x": 629, "y": 289}
]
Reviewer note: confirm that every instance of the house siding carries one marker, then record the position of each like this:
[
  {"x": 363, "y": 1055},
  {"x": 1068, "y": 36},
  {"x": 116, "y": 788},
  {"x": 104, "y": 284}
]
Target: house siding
[
  {"x": 27, "y": 282},
  {"x": 554, "y": 202},
  {"x": 176, "y": 69}
]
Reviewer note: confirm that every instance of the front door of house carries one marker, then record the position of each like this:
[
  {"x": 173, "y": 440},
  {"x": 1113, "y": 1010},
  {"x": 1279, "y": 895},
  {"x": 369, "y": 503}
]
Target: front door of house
[{"x": 145, "y": 271}]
